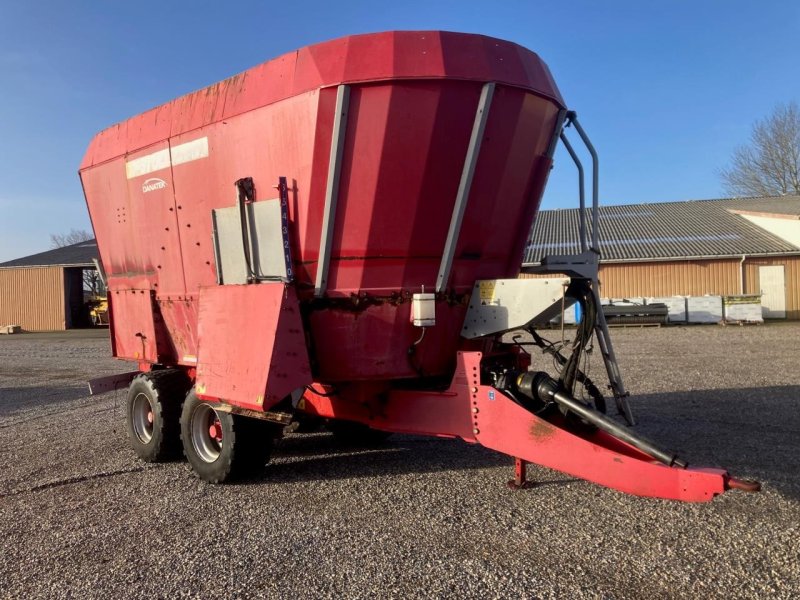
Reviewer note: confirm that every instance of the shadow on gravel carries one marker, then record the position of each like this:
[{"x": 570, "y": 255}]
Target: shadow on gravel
[
  {"x": 322, "y": 458},
  {"x": 752, "y": 432},
  {"x": 14, "y": 400}
]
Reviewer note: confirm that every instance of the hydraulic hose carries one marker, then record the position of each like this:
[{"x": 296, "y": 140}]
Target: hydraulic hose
[{"x": 580, "y": 289}]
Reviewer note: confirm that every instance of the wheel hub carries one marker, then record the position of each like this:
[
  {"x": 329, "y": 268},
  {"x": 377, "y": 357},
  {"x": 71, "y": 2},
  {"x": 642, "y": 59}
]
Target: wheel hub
[
  {"x": 206, "y": 433},
  {"x": 142, "y": 418},
  {"x": 215, "y": 430}
]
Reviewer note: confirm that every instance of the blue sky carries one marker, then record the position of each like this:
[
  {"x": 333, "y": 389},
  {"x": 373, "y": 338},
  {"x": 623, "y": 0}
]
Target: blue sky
[{"x": 665, "y": 89}]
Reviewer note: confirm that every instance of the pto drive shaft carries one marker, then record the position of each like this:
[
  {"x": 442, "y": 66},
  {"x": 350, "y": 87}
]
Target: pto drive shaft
[{"x": 540, "y": 386}]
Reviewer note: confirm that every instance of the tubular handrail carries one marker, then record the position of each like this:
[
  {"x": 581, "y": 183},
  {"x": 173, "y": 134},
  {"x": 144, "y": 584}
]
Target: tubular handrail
[
  {"x": 581, "y": 192},
  {"x": 572, "y": 119}
]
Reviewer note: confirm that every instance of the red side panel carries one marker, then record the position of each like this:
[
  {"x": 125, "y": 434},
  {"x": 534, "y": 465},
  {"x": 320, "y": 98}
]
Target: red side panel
[
  {"x": 252, "y": 350},
  {"x": 179, "y": 314},
  {"x": 134, "y": 333},
  {"x": 132, "y": 206},
  {"x": 374, "y": 343},
  {"x": 263, "y": 144}
]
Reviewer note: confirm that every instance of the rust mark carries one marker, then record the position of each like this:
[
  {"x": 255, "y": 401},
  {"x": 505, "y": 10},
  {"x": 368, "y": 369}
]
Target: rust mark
[
  {"x": 541, "y": 430},
  {"x": 360, "y": 302},
  {"x": 128, "y": 274}
]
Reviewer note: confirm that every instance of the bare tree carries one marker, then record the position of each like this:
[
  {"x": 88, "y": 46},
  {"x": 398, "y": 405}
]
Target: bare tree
[
  {"x": 770, "y": 164},
  {"x": 92, "y": 282},
  {"x": 59, "y": 240},
  {"x": 91, "y": 279}
]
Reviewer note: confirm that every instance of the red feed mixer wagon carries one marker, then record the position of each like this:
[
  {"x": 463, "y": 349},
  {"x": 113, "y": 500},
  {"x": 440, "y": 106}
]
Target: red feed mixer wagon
[{"x": 335, "y": 235}]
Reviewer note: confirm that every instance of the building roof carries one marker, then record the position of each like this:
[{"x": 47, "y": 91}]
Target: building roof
[
  {"x": 773, "y": 205},
  {"x": 74, "y": 255},
  {"x": 667, "y": 230}
]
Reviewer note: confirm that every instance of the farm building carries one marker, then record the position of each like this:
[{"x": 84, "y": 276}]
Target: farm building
[
  {"x": 45, "y": 291},
  {"x": 720, "y": 247}
]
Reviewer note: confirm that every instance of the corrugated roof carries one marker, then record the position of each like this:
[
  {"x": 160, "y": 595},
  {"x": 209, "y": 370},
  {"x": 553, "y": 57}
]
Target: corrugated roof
[
  {"x": 75, "y": 255},
  {"x": 777, "y": 205},
  {"x": 691, "y": 229}
]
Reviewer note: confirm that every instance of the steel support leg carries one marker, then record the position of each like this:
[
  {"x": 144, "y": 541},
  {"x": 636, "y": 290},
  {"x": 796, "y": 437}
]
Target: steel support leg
[
  {"x": 610, "y": 360},
  {"x": 520, "y": 481}
]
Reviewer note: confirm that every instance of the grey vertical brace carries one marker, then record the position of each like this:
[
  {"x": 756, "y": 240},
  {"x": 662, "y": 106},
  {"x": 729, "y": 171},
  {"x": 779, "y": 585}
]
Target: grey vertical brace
[
  {"x": 332, "y": 189},
  {"x": 465, "y": 184},
  {"x": 255, "y": 268},
  {"x": 215, "y": 242}
]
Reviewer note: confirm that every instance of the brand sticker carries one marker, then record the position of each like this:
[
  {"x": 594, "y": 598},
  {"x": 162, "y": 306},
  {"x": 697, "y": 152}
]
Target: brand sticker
[{"x": 152, "y": 184}]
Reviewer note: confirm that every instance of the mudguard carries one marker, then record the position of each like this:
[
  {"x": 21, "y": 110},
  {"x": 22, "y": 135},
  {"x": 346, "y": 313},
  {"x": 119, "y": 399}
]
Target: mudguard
[{"x": 252, "y": 349}]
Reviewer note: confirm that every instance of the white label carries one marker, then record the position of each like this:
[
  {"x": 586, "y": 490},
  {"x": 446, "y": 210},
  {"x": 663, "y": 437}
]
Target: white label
[
  {"x": 163, "y": 159},
  {"x": 147, "y": 164},
  {"x": 190, "y": 151}
]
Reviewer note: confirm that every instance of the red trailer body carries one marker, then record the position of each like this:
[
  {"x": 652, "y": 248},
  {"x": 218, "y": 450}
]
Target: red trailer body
[
  {"x": 152, "y": 181},
  {"x": 414, "y": 161}
]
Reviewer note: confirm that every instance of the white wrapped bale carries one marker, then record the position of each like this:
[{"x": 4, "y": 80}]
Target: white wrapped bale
[
  {"x": 704, "y": 309},
  {"x": 742, "y": 309},
  {"x": 676, "y": 306},
  {"x": 572, "y": 314}
]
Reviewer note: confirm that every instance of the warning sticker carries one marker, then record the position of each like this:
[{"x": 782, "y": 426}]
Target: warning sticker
[{"x": 486, "y": 291}]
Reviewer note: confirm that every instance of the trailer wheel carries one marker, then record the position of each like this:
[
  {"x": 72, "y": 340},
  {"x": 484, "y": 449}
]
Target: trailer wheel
[
  {"x": 350, "y": 433},
  {"x": 152, "y": 414},
  {"x": 220, "y": 446}
]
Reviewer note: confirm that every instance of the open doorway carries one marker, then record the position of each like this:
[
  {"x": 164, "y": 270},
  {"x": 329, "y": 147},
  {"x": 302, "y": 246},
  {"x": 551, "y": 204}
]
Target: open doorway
[{"x": 85, "y": 297}]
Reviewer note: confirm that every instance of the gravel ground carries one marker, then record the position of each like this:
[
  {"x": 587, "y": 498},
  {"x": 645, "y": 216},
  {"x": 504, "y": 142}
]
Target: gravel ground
[{"x": 81, "y": 517}]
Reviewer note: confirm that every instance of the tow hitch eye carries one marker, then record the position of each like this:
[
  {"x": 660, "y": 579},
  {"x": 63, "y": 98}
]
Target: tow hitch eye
[{"x": 746, "y": 485}]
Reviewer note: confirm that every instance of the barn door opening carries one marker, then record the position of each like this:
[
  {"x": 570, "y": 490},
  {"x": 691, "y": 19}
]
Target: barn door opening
[{"x": 773, "y": 291}]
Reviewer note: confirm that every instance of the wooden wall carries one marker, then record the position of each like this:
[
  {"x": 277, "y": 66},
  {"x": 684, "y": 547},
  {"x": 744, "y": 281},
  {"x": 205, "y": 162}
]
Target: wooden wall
[
  {"x": 684, "y": 278},
  {"x": 33, "y": 297},
  {"x": 696, "y": 278}
]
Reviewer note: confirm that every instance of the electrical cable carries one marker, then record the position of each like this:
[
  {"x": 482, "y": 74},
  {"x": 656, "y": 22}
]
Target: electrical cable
[
  {"x": 310, "y": 388},
  {"x": 559, "y": 360}
]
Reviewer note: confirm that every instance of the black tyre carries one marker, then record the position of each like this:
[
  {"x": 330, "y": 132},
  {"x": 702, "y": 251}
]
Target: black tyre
[
  {"x": 223, "y": 447},
  {"x": 350, "y": 433},
  {"x": 152, "y": 414}
]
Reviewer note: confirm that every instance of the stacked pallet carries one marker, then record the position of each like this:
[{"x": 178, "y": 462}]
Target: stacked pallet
[{"x": 742, "y": 309}]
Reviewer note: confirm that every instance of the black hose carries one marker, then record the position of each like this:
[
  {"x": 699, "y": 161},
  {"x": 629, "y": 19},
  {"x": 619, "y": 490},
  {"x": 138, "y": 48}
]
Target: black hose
[
  {"x": 580, "y": 376},
  {"x": 580, "y": 289}
]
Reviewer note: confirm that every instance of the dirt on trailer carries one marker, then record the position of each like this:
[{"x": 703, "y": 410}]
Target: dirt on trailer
[{"x": 416, "y": 517}]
